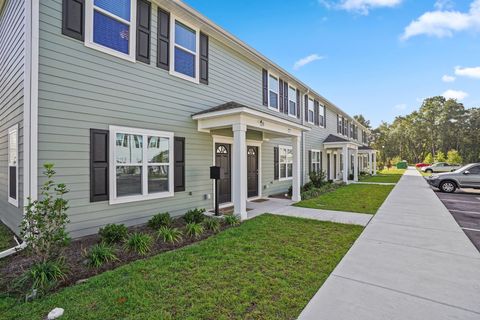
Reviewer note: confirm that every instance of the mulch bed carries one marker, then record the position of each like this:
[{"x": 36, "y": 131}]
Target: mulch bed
[{"x": 14, "y": 266}]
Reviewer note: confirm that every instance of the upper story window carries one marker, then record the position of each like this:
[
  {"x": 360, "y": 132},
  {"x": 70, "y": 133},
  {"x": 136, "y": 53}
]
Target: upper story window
[
  {"x": 292, "y": 101},
  {"x": 110, "y": 27},
  {"x": 316, "y": 161},
  {"x": 185, "y": 51},
  {"x": 339, "y": 124},
  {"x": 273, "y": 85},
  {"x": 13, "y": 165},
  {"x": 142, "y": 165},
  {"x": 311, "y": 110},
  {"x": 285, "y": 162},
  {"x": 322, "y": 115}
]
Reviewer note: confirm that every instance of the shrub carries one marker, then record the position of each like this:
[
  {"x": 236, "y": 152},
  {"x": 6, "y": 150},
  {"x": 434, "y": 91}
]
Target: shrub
[
  {"x": 194, "y": 229},
  {"x": 428, "y": 158},
  {"x": 195, "y": 215},
  {"x": 99, "y": 254},
  {"x": 440, "y": 157},
  {"x": 113, "y": 233},
  {"x": 318, "y": 179},
  {"x": 212, "y": 224},
  {"x": 232, "y": 220},
  {"x": 316, "y": 192},
  {"x": 139, "y": 242},
  {"x": 43, "y": 226},
  {"x": 168, "y": 234},
  {"x": 453, "y": 157},
  {"x": 44, "y": 275},
  {"x": 160, "y": 220}
]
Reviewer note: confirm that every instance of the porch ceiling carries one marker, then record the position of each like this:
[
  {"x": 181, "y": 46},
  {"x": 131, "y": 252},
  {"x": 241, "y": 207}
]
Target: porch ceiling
[{"x": 229, "y": 114}]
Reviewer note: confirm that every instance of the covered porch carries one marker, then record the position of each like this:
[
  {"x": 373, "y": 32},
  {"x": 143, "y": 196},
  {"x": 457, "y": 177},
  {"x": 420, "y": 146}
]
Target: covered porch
[
  {"x": 240, "y": 119},
  {"x": 342, "y": 159},
  {"x": 367, "y": 160}
]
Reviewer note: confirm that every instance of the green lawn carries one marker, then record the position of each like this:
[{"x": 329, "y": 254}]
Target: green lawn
[
  {"x": 267, "y": 268},
  {"x": 385, "y": 176},
  {"x": 362, "y": 198},
  {"x": 6, "y": 238}
]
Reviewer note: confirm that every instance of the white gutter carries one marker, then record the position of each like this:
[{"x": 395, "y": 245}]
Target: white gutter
[{"x": 18, "y": 247}]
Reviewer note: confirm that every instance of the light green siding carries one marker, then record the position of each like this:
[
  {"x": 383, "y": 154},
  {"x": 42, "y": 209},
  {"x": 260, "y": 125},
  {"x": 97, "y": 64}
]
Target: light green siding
[{"x": 12, "y": 51}]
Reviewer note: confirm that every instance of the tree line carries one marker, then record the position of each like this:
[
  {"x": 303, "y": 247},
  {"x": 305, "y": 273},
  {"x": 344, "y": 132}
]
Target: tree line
[{"x": 440, "y": 130}]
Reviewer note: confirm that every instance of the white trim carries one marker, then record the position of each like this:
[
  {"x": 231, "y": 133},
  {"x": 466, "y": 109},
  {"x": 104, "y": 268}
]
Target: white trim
[
  {"x": 112, "y": 165},
  {"x": 286, "y": 178},
  {"x": 132, "y": 34},
  {"x": 319, "y": 162},
  {"x": 173, "y": 20},
  {"x": 294, "y": 100},
  {"x": 13, "y": 131},
  {"x": 270, "y": 89}
]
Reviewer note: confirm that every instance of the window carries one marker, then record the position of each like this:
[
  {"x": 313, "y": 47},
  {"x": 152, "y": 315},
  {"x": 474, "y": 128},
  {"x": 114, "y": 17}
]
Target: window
[
  {"x": 316, "y": 161},
  {"x": 110, "y": 27},
  {"x": 292, "y": 101},
  {"x": 311, "y": 110},
  {"x": 13, "y": 165},
  {"x": 273, "y": 92},
  {"x": 143, "y": 164},
  {"x": 474, "y": 170},
  {"x": 339, "y": 124},
  {"x": 185, "y": 51},
  {"x": 285, "y": 162},
  {"x": 322, "y": 115}
]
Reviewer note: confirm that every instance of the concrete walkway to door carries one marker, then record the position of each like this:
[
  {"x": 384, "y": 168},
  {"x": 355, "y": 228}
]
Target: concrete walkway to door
[{"x": 411, "y": 262}]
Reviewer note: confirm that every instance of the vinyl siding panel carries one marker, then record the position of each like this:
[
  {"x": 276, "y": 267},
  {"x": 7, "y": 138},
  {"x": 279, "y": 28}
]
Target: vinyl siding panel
[
  {"x": 12, "y": 57},
  {"x": 80, "y": 88}
]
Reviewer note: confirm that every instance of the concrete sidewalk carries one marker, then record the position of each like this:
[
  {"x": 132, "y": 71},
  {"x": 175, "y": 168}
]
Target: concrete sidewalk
[{"x": 412, "y": 262}]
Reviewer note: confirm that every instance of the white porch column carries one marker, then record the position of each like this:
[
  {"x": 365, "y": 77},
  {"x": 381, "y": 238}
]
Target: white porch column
[
  {"x": 374, "y": 154},
  {"x": 239, "y": 170},
  {"x": 332, "y": 174},
  {"x": 355, "y": 165},
  {"x": 296, "y": 169},
  {"x": 370, "y": 162},
  {"x": 346, "y": 161}
]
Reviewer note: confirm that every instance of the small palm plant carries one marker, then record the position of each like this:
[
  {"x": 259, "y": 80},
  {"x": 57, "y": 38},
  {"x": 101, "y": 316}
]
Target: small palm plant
[{"x": 169, "y": 234}]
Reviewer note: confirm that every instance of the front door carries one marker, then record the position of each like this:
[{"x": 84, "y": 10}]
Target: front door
[
  {"x": 252, "y": 171},
  {"x": 223, "y": 160},
  {"x": 334, "y": 167}
]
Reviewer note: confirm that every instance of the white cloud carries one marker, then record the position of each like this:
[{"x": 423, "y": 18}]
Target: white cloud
[
  {"x": 444, "y": 4},
  {"x": 442, "y": 23},
  {"x": 447, "y": 78},
  {"x": 400, "y": 107},
  {"x": 308, "y": 59},
  {"x": 359, "y": 6},
  {"x": 455, "y": 94},
  {"x": 473, "y": 72}
]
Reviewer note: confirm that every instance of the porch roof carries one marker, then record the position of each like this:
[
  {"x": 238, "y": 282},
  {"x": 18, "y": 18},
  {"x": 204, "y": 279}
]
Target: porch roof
[
  {"x": 231, "y": 113},
  {"x": 336, "y": 142}
]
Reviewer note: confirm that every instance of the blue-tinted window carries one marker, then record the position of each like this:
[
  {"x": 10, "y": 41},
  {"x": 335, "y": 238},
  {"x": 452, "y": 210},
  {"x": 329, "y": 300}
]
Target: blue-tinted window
[
  {"x": 184, "y": 62},
  {"x": 120, "y": 8},
  {"x": 110, "y": 33},
  {"x": 185, "y": 37}
]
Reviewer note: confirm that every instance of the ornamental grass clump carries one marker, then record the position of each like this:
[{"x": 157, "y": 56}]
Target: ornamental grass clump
[
  {"x": 212, "y": 224},
  {"x": 43, "y": 276},
  {"x": 140, "y": 243},
  {"x": 232, "y": 220},
  {"x": 169, "y": 234},
  {"x": 100, "y": 254},
  {"x": 194, "y": 230}
]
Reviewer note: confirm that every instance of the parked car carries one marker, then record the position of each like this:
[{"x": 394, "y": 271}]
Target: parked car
[
  {"x": 421, "y": 165},
  {"x": 465, "y": 177},
  {"x": 440, "y": 167}
]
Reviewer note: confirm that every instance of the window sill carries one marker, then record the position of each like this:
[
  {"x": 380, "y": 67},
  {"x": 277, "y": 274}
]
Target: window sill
[
  {"x": 141, "y": 198},
  {"x": 109, "y": 51},
  {"x": 285, "y": 179},
  {"x": 13, "y": 202},
  {"x": 184, "y": 77}
]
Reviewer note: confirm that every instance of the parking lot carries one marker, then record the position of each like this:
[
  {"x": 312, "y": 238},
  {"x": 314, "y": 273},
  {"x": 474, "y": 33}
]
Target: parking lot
[{"x": 464, "y": 205}]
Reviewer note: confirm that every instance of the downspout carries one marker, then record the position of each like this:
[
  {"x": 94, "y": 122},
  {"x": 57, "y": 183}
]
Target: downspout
[
  {"x": 18, "y": 247},
  {"x": 302, "y": 180}
]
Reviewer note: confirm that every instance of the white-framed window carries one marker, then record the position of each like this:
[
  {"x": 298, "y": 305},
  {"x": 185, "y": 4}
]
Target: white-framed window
[
  {"x": 322, "y": 115},
  {"x": 13, "y": 165},
  {"x": 110, "y": 27},
  {"x": 311, "y": 110},
  {"x": 285, "y": 162},
  {"x": 316, "y": 164},
  {"x": 273, "y": 89},
  {"x": 292, "y": 101},
  {"x": 141, "y": 164},
  {"x": 184, "y": 50}
]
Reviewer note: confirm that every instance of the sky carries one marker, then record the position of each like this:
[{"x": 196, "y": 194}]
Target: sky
[{"x": 380, "y": 58}]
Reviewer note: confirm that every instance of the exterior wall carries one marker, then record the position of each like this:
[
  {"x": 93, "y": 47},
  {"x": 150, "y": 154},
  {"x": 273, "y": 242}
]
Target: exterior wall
[
  {"x": 80, "y": 88},
  {"x": 12, "y": 54}
]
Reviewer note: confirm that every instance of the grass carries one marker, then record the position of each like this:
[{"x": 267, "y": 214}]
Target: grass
[
  {"x": 385, "y": 176},
  {"x": 6, "y": 238},
  {"x": 361, "y": 198},
  {"x": 267, "y": 268}
]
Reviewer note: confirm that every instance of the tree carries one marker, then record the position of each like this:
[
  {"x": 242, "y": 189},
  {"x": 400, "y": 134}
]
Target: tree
[
  {"x": 454, "y": 157},
  {"x": 440, "y": 157},
  {"x": 364, "y": 122},
  {"x": 428, "y": 158}
]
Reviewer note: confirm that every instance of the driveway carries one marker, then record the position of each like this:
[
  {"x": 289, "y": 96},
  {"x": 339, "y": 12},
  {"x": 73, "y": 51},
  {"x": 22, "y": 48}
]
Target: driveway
[{"x": 464, "y": 205}]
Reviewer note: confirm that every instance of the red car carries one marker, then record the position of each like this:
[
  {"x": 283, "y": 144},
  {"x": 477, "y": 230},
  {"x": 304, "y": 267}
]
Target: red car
[{"x": 421, "y": 165}]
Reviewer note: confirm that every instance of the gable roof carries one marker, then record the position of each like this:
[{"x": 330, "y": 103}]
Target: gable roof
[
  {"x": 226, "y": 106},
  {"x": 334, "y": 138}
]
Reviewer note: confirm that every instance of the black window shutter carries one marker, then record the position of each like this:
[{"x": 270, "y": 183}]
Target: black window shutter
[
  {"x": 324, "y": 116},
  {"x": 73, "y": 16},
  {"x": 299, "y": 103},
  {"x": 99, "y": 183},
  {"x": 338, "y": 123},
  {"x": 310, "y": 164},
  {"x": 163, "y": 41},
  {"x": 281, "y": 95},
  {"x": 143, "y": 31},
  {"x": 179, "y": 158},
  {"x": 316, "y": 109},
  {"x": 285, "y": 97},
  {"x": 203, "y": 58},
  {"x": 275, "y": 163},
  {"x": 321, "y": 161},
  {"x": 265, "y": 87},
  {"x": 306, "y": 108}
]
